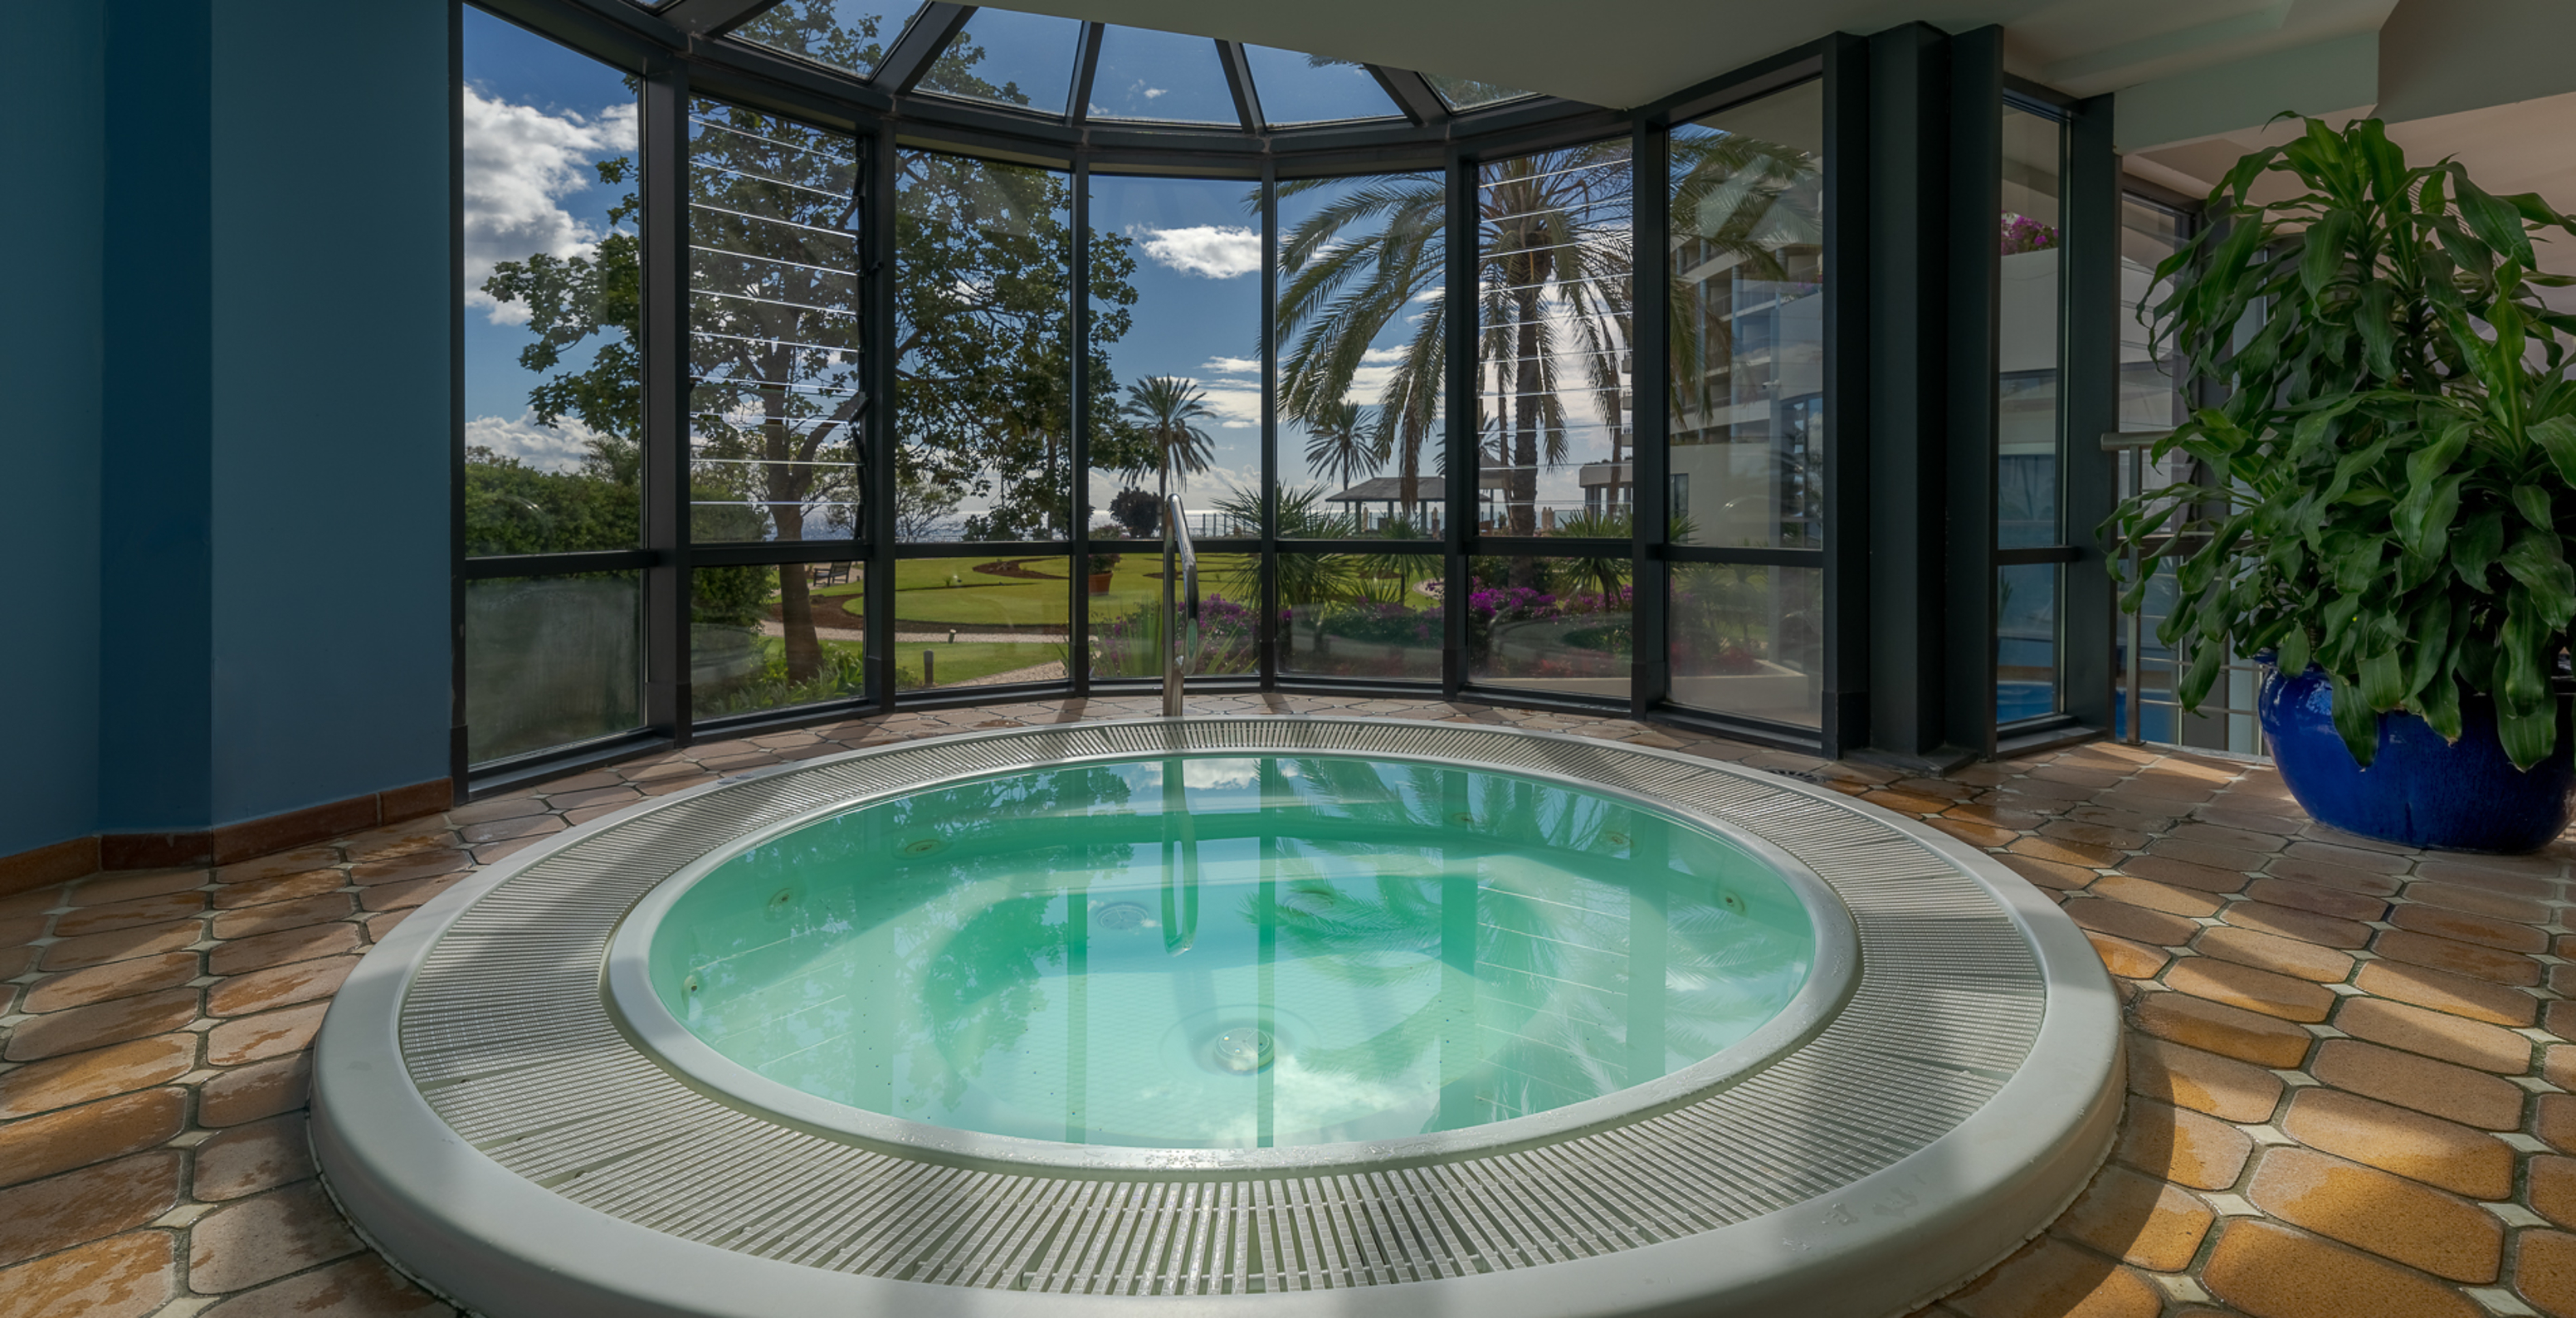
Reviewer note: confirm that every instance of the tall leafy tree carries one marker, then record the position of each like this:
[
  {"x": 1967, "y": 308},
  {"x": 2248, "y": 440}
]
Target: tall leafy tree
[
  {"x": 983, "y": 346},
  {"x": 983, "y": 298}
]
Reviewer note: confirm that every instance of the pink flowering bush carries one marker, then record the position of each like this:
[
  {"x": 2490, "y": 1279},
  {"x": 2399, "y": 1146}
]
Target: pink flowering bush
[{"x": 2021, "y": 234}]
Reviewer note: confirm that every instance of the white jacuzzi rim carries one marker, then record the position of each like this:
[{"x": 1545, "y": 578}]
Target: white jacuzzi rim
[
  {"x": 480, "y": 1233},
  {"x": 1833, "y": 968}
]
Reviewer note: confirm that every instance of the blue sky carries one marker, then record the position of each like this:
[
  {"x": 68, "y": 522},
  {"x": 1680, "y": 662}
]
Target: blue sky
[{"x": 536, "y": 116}]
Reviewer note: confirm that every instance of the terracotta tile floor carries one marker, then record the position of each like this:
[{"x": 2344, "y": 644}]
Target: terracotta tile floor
[{"x": 2347, "y": 1086}]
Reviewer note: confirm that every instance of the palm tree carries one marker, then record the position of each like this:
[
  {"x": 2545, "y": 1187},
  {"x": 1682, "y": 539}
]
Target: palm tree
[
  {"x": 1166, "y": 410},
  {"x": 1336, "y": 448},
  {"x": 1376, "y": 254},
  {"x": 1553, "y": 265}
]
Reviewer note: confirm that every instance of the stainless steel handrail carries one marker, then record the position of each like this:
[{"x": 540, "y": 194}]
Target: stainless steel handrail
[{"x": 1180, "y": 567}]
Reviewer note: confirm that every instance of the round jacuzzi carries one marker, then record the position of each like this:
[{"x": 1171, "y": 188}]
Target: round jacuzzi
[{"x": 1296, "y": 1015}]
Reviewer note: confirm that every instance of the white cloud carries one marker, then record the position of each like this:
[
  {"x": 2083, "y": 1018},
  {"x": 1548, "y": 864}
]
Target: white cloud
[
  {"x": 1212, "y": 251},
  {"x": 1237, "y": 404},
  {"x": 1231, "y": 365},
  {"x": 559, "y": 447},
  {"x": 520, "y": 163}
]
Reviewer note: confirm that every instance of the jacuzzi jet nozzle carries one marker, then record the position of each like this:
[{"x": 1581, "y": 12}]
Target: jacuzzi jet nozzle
[{"x": 1242, "y": 1050}]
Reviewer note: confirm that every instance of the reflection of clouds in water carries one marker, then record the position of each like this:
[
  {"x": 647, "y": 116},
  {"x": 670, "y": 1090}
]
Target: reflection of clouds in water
[
  {"x": 1197, "y": 775},
  {"x": 1211, "y": 774},
  {"x": 1307, "y": 1107}
]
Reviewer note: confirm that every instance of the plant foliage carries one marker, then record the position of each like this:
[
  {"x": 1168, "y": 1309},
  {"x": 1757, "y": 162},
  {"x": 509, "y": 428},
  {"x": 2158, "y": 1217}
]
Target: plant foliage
[{"x": 2380, "y": 493}]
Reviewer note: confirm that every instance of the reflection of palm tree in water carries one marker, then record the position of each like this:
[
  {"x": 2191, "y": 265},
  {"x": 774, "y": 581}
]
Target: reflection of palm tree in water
[
  {"x": 1551, "y": 971},
  {"x": 981, "y": 987}
]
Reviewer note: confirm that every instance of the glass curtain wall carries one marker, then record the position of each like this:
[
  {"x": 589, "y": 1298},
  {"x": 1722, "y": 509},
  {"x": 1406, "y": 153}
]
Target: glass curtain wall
[
  {"x": 1361, "y": 374},
  {"x": 776, "y": 399},
  {"x": 553, "y": 418},
  {"x": 1176, "y": 287},
  {"x": 1055, "y": 337},
  {"x": 1746, "y": 461},
  {"x": 984, "y": 295},
  {"x": 1555, "y": 296},
  {"x": 2030, "y": 418},
  {"x": 2153, "y": 398}
]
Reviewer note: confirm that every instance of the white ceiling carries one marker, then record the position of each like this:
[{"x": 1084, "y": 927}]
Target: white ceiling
[{"x": 1623, "y": 53}]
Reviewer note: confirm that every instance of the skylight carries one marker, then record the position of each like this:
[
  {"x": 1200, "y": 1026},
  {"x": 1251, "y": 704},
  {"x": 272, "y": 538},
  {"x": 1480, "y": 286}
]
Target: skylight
[
  {"x": 846, "y": 34},
  {"x": 1464, "y": 94},
  {"x": 1010, "y": 58},
  {"x": 1146, "y": 74},
  {"x": 1297, "y": 88}
]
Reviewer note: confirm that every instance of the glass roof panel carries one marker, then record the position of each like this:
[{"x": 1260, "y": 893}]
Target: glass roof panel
[
  {"x": 1011, "y": 58},
  {"x": 1471, "y": 94},
  {"x": 846, "y": 34},
  {"x": 1160, "y": 75},
  {"x": 1297, "y": 88}
]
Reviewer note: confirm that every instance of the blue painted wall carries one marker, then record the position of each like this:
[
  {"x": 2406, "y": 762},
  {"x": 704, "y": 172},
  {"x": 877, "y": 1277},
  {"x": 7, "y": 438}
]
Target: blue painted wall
[
  {"x": 49, "y": 440},
  {"x": 330, "y": 401},
  {"x": 155, "y": 523},
  {"x": 228, "y": 431}
]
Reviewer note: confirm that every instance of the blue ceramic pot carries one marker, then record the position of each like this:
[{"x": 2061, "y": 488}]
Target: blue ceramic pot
[{"x": 2421, "y": 790}]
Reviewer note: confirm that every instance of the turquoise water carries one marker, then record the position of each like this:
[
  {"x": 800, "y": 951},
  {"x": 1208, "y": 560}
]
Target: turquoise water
[{"x": 1231, "y": 952}]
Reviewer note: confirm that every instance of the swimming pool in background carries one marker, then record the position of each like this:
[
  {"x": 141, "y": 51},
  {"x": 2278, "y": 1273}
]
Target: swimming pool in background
[{"x": 1231, "y": 952}]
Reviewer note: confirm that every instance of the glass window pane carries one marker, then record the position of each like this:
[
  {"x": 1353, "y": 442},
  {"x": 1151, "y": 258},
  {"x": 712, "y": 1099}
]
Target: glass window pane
[
  {"x": 1749, "y": 641},
  {"x": 983, "y": 299},
  {"x": 1553, "y": 285},
  {"x": 550, "y": 661},
  {"x": 775, "y": 396},
  {"x": 552, "y": 411},
  {"x": 1160, "y": 75},
  {"x": 748, "y": 652},
  {"x": 1010, "y": 58},
  {"x": 1176, "y": 282},
  {"x": 1127, "y": 614},
  {"x": 846, "y": 34},
  {"x": 1363, "y": 616},
  {"x": 1472, "y": 93},
  {"x": 1558, "y": 625},
  {"x": 1748, "y": 241},
  {"x": 2028, "y": 418},
  {"x": 980, "y": 621},
  {"x": 1297, "y": 88},
  {"x": 2151, "y": 395},
  {"x": 1361, "y": 283},
  {"x": 2026, "y": 641}
]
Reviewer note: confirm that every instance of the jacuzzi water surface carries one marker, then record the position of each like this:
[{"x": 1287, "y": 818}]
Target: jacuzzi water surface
[{"x": 1231, "y": 952}]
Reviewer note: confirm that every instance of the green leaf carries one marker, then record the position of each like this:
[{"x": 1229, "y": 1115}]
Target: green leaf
[
  {"x": 2474, "y": 549},
  {"x": 2383, "y": 680},
  {"x": 2497, "y": 224},
  {"x": 2557, "y": 438},
  {"x": 2354, "y": 720},
  {"x": 2533, "y": 502},
  {"x": 2528, "y": 736},
  {"x": 2441, "y": 707},
  {"x": 2548, "y": 583},
  {"x": 2294, "y": 652},
  {"x": 2430, "y": 641}
]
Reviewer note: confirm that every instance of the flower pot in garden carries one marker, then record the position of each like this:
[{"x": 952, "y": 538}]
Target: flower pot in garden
[
  {"x": 2419, "y": 790},
  {"x": 1100, "y": 582}
]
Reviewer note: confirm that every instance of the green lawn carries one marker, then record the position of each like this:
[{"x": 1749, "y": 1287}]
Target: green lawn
[
  {"x": 968, "y": 660},
  {"x": 962, "y": 662},
  {"x": 924, "y": 596}
]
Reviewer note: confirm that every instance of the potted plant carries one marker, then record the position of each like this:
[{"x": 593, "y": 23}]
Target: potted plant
[
  {"x": 1104, "y": 567},
  {"x": 2376, "y": 507}
]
